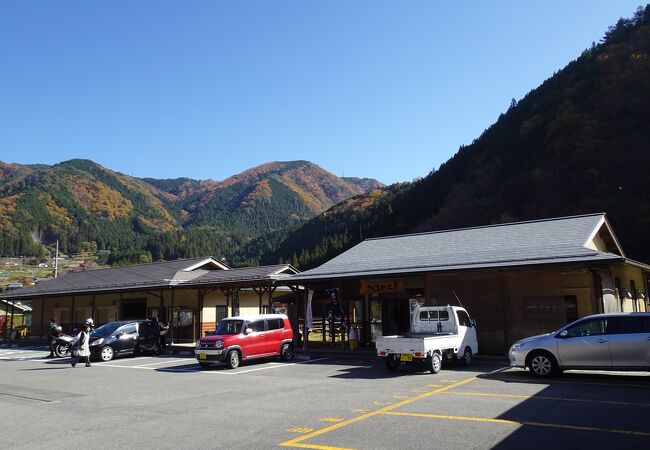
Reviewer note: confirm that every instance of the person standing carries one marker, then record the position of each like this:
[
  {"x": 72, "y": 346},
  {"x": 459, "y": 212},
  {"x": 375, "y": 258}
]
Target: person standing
[
  {"x": 51, "y": 335},
  {"x": 82, "y": 345}
]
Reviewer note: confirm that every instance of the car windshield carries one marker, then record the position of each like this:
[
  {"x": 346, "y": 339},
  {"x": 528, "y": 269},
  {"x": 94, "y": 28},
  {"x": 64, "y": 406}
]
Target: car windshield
[
  {"x": 105, "y": 330},
  {"x": 229, "y": 327}
]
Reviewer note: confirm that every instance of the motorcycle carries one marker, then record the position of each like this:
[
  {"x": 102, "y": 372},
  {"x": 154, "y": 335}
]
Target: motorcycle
[{"x": 62, "y": 342}]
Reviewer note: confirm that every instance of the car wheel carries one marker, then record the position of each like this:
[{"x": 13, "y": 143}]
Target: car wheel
[
  {"x": 286, "y": 352},
  {"x": 232, "y": 359},
  {"x": 107, "y": 353},
  {"x": 434, "y": 363},
  {"x": 392, "y": 363},
  {"x": 542, "y": 364},
  {"x": 156, "y": 349},
  {"x": 467, "y": 357}
]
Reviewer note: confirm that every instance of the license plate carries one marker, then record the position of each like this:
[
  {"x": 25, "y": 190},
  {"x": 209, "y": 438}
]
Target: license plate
[
  {"x": 405, "y": 357},
  {"x": 203, "y": 356}
]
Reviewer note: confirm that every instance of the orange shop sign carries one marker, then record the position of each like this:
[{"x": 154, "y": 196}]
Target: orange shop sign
[{"x": 381, "y": 286}]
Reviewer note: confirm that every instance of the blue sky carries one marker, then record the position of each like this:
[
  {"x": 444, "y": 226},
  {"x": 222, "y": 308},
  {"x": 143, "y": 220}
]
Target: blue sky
[{"x": 206, "y": 89}]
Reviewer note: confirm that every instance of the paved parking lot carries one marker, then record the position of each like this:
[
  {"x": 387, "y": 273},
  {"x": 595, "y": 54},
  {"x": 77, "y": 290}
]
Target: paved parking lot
[{"x": 325, "y": 402}]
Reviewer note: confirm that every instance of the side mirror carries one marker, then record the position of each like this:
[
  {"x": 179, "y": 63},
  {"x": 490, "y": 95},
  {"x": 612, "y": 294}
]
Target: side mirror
[
  {"x": 563, "y": 334},
  {"x": 119, "y": 335},
  {"x": 472, "y": 322},
  {"x": 249, "y": 330}
]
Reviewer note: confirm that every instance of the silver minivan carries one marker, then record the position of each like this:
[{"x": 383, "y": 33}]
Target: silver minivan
[{"x": 598, "y": 342}]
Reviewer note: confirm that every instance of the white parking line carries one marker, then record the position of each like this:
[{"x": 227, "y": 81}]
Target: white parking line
[
  {"x": 161, "y": 362},
  {"x": 197, "y": 369}
]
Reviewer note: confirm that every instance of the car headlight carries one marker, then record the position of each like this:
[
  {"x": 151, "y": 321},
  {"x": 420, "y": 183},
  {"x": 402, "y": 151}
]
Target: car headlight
[
  {"x": 517, "y": 345},
  {"x": 97, "y": 342},
  {"x": 218, "y": 344},
  {"x": 198, "y": 343}
]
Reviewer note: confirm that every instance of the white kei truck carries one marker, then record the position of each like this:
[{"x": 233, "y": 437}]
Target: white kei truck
[{"x": 437, "y": 332}]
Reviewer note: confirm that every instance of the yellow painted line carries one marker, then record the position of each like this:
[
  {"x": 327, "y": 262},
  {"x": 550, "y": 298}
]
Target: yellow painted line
[
  {"x": 382, "y": 403},
  {"x": 300, "y": 430},
  {"x": 318, "y": 447},
  {"x": 401, "y": 397},
  {"x": 297, "y": 442},
  {"x": 535, "y": 397},
  {"x": 331, "y": 419},
  {"x": 435, "y": 385},
  {"x": 516, "y": 422},
  {"x": 360, "y": 410},
  {"x": 419, "y": 390}
]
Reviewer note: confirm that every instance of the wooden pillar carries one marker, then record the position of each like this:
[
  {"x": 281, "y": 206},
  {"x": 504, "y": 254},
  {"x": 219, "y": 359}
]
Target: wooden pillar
[
  {"x": 94, "y": 307},
  {"x": 6, "y": 315},
  {"x": 72, "y": 315},
  {"x": 366, "y": 321},
  {"x": 323, "y": 319},
  {"x": 200, "y": 313},
  {"x": 119, "y": 308},
  {"x": 161, "y": 313},
  {"x": 40, "y": 337},
  {"x": 305, "y": 331},
  {"x": 171, "y": 327},
  {"x": 11, "y": 328}
]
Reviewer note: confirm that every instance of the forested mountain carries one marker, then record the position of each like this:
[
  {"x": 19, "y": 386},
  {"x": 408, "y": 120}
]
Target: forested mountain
[
  {"x": 579, "y": 143},
  {"x": 86, "y": 206}
]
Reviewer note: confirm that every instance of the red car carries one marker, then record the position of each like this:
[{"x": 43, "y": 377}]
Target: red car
[{"x": 241, "y": 338}]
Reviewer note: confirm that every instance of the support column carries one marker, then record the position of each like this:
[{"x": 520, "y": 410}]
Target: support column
[
  {"x": 11, "y": 329},
  {"x": 72, "y": 314},
  {"x": 94, "y": 307},
  {"x": 40, "y": 337},
  {"x": 171, "y": 327}
]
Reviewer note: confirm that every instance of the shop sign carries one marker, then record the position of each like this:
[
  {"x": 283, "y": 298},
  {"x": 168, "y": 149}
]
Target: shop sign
[{"x": 381, "y": 286}]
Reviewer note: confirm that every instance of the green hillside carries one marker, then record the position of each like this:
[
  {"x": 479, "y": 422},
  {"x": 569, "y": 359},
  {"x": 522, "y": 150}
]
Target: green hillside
[
  {"x": 87, "y": 206},
  {"x": 576, "y": 144}
]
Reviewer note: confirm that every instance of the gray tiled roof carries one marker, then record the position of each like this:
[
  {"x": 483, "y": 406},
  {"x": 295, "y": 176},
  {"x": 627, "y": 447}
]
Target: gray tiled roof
[
  {"x": 153, "y": 275},
  {"x": 247, "y": 274},
  {"x": 549, "y": 241}
]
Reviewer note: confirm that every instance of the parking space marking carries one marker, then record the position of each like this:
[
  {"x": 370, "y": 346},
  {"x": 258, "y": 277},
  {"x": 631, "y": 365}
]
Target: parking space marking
[
  {"x": 298, "y": 442},
  {"x": 516, "y": 422},
  {"x": 198, "y": 369},
  {"x": 331, "y": 419},
  {"x": 535, "y": 397},
  {"x": 299, "y": 430},
  {"x": 161, "y": 362}
]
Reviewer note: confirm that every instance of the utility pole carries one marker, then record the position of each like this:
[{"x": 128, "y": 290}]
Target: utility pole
[{"x": 56, "y": 260}]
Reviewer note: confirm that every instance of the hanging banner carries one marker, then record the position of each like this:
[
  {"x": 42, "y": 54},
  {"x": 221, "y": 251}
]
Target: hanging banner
[
  {"x": 309, "y": 319},
  {"x": 336, "y": 307}
]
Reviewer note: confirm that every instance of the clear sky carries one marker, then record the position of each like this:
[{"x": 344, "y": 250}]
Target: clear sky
[{"x": 206, "y": 89}]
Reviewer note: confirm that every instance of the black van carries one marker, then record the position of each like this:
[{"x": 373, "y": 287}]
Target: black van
[{"x": 126, "y": 337}]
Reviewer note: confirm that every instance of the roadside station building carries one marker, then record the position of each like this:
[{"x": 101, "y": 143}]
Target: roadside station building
[
  {"x": 516, "y": 280},
  {"x": 191, "y": 295}
]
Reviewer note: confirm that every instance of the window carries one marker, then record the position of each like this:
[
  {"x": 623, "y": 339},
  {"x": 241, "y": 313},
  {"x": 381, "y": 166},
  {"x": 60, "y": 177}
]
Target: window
[
  {"x": 591, "y": 327},
  {"x": 628, "y": 325},
  {"x": 275, "y": 324},
  {"x": 424, "y": 316},
  {"x": 571, "y": 307},
  {"x": 463, "y": 319},
  {"x": 633, "y": 290},
  {"x": 256, "y": 326},
  {"x": 128, "y": 329},
  {"x": 221, "y": 313},
  {"x": 229, "y": 327}
]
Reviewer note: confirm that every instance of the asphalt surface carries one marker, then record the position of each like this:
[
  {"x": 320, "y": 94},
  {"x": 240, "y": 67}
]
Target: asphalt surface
[{"x": 320, "y": 401}]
